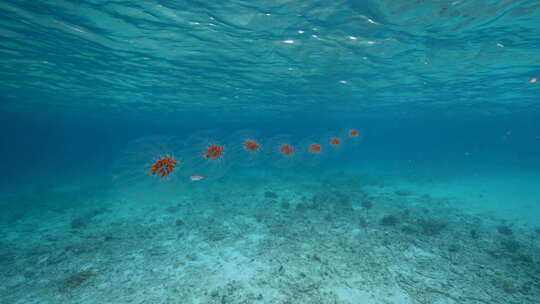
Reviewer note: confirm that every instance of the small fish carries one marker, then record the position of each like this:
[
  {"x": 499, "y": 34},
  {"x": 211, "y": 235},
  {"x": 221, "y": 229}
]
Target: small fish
[{"x": 197, "y": 177}]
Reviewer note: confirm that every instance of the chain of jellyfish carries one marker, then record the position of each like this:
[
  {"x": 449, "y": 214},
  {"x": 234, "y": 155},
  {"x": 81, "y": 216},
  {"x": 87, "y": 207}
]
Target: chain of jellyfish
[{"x": 165, "y": 165}]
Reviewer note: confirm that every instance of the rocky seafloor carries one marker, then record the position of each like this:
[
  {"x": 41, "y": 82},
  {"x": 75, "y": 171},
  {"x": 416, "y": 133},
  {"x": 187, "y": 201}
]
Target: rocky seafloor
[{"x": 335, "y": 239}]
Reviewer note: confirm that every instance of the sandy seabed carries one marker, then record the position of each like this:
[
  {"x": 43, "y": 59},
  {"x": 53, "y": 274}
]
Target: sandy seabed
[{"x": 339, "y": 238}]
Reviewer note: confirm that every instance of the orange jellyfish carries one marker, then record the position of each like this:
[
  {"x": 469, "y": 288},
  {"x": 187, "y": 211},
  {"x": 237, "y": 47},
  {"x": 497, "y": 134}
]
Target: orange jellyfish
[
  {"x": 353, "y": 133},
  {"x": 252, "y": 145},
  {"x": 214, "y": 152},
  {"x": 312, "y": 151},
  {"x": 533, "y": 80},
  {"x": 206, "y": 154},
  {"x": 334, "y": 141},
  {"x": 245, "y": 148},
  {"x": 286, "y": 150},
  {"x": 163, "y": 167}
]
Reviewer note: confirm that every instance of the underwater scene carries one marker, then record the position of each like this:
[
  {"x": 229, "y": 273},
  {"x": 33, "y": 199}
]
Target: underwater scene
[{"x": 270, "y": 151}]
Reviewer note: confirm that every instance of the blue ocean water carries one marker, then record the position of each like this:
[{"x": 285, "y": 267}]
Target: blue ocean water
[{"x": 436, "y": 201}]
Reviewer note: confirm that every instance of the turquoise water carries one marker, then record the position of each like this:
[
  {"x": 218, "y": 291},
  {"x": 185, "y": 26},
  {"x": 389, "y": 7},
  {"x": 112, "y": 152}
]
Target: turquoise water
[{"x": 437, "y": 201}]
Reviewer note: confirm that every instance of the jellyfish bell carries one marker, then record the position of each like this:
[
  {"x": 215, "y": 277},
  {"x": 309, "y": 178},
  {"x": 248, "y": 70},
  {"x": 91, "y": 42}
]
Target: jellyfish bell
[
  {"x": 352, "y": 136},
  {"x": 353, "y": 133},
  {"x": 283, "y": 151},
  {"x": 286, "y": 150},
  {"x": 251, "y": 145},
  {"x": 213, "y": 151},
  {"x": 163, "y": 167},
  {"x": 335, "y": 142},
  {"x": 314, "y": 148},
  {"x": 313, "y": 151},
  {"x": 247, "y": 148},
  {"x": 151, "y": 156},
  {"x": 148, "y": 165},
  {"x": 206, "y": 154}
]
